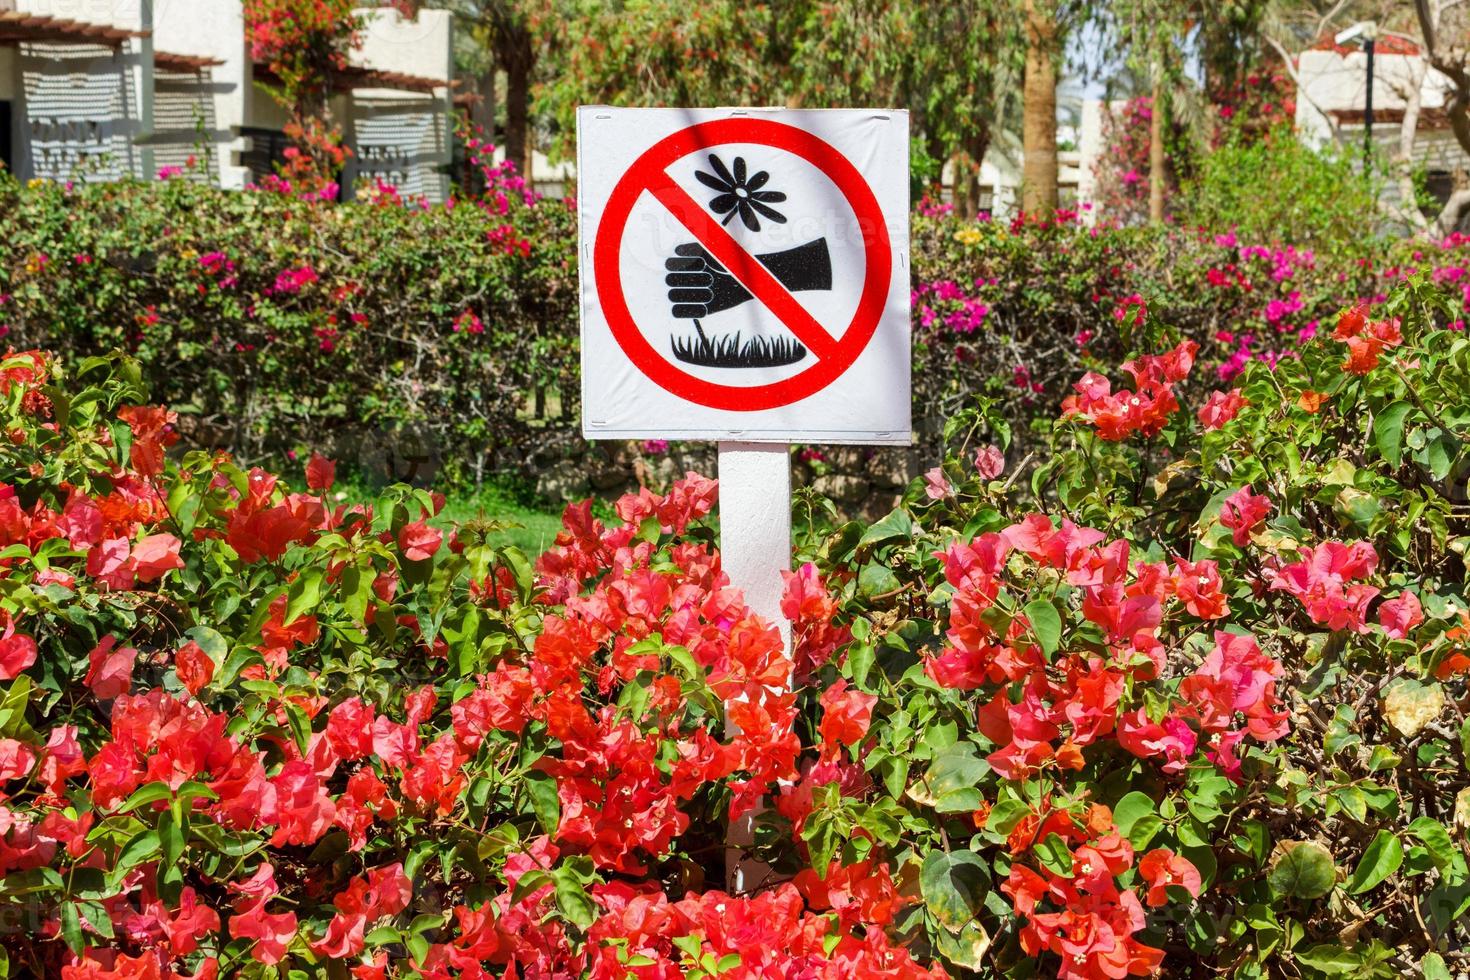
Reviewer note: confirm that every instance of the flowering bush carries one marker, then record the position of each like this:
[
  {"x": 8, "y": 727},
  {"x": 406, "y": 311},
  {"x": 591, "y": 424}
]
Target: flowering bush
[
  {"x": 1211, "y": 709},
  {"x": 413, "y": 340},
  {"x": 278, "y": 325},
  {"x": 1190, "y": 698}
]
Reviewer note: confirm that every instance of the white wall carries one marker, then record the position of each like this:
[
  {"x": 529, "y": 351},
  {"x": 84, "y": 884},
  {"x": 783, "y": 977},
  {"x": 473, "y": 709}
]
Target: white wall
[
  {"x": 214, "y": 29},
  {"x": 422, "y": 46},
  {"x": 1336, "y": 82},
  {"x": 1089, "y": 150},
  {"x": 405, "y": 137},
  {"x": 128, "y": 14}
]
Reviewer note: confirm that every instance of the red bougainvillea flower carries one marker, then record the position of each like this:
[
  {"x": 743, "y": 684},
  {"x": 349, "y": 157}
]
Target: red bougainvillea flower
[
  {"x": 1363, "y": 354},
  {"x": 1198, "y": 586},
  {"x": 1161, "y": 868},
  {"x": 812, "y": 612},
  {"x": 846, "y": 715},
  {"x": 17, "y": 650},
  {"x": 858, "y": 893},
  {"x": 321, "y": 473},
  {"x": 1146, "y": 409},
  {"x": 194, "y": 667},
  {"x": 1351, "y": 322}
]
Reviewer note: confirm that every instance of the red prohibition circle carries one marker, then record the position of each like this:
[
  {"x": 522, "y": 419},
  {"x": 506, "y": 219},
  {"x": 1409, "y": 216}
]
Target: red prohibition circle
[{"x": 649, "y": 172}]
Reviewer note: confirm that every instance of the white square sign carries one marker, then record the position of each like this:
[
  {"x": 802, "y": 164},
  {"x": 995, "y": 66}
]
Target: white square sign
[{"x": 744, "y": 274}]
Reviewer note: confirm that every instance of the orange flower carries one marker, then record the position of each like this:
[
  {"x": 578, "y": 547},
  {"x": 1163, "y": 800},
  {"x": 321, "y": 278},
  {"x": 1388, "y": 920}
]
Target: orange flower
[
  {"x": 1351, "y": 322},
  {"x": 1311, "y": 401},
  {"x": 1362, "y": 354}
]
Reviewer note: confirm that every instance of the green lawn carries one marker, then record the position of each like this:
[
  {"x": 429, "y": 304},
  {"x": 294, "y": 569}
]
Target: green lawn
[
  {"x": 538, "y": 525},
  {"x": 536, "y": 522}
]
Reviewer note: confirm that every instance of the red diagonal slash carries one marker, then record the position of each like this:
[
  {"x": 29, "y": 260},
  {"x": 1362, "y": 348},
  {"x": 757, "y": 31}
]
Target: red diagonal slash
[{"x": 742, "y": 265}]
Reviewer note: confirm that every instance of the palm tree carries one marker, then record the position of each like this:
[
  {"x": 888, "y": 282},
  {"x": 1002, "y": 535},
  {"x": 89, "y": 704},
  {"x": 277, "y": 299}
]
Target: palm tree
[{"x": 1039, "y": 168}]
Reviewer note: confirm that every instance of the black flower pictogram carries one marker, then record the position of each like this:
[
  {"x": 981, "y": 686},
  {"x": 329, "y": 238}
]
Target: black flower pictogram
[{"x": 739, "y": 195}]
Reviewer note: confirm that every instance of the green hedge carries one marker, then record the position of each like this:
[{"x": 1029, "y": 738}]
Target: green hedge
[{"x": 441, "y": 342}]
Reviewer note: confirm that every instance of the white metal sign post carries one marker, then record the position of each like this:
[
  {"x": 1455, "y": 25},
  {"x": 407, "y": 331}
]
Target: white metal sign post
[{"x": 745, "y": 280}]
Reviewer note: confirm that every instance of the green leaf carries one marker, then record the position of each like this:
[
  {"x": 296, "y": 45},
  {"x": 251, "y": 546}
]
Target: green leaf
[
  {"x": 71, "y": 927},
  {"x": 1436, "y": 841},
  {"x": 877, "y": 579},
  {"x": 1329, "y": 959},
  {"x": 1005, "y": 815},
  {"x": 573, "y": 900},
  {"x": 1302, "y": 869},
  {"x": 1381, "y": 859},
  {"x": 954, "y": 885},
  {"x": 541, "y": 787},
  {"x": 960, "y": 766},
  {"x": 1046, "y": 624},
  {"x": 1054, "y": 855},
  {"x": 1388, "y": 432},
  {"x": 357, "y": 591},
  {"x": 897, "y": 526},
  {"x": 135, "y": 852},
  {"x": 1433, "y": 967},
  {"x": 965, "y": 948},
  {"x": 1144, "y": 830},
  {"x": 146, "y": 794},
  {"x": 1130, "y": 808},
  {"x": 304, "y": 595}
]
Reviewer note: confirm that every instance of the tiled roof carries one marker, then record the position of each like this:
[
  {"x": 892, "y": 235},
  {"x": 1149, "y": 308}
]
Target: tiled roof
[{"x": 17, "y": 26}]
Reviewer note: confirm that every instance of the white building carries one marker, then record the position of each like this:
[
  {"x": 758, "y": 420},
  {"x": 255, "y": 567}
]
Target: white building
[
  {"x": 100, "y": 89},
  {"x": 1331, "y": 107}
]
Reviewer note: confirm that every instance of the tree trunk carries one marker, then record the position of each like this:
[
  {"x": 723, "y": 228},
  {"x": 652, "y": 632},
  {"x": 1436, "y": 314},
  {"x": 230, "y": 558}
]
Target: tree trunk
[
  {"x": 517, "y": 61},
  {"x": 959, "y": 184},
  {"x": 482, "y": 114},
  {"x": 1039, "y": 117},
  {"x": 975, "y": 148},
  {"x": 1156, "y": 156}
]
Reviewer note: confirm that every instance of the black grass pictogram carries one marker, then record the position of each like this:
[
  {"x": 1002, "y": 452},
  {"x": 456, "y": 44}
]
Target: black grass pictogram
[{"x": 729, "y": 352}]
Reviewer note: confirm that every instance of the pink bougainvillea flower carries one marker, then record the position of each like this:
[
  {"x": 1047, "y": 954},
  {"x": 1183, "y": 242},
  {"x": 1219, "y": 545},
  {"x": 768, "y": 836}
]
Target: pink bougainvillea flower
[
  {"x": 1244, "y": 513},
  {"x": 155, "y": 555},
  {"x": 1221, "y": 408},
  {"x": 936, "y": 485},
  {"x": 990, "y": 462},
  {"x": 272, "y": 932},
  {"x": 111, "y": 672},
  {"x": 107, "y": 562},
  {"x": 1324, "y": 583},
  {"x": 1398, "y": 616},
  {"x": 419, "y": 541}
]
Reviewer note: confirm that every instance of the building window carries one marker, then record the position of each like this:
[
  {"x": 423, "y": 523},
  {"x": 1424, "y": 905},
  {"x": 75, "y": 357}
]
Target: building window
[{"x": 267, "y": 149}]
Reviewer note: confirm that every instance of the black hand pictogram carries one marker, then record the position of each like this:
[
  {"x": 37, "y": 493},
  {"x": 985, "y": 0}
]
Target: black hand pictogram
[{"x": 699, "y": 285}]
